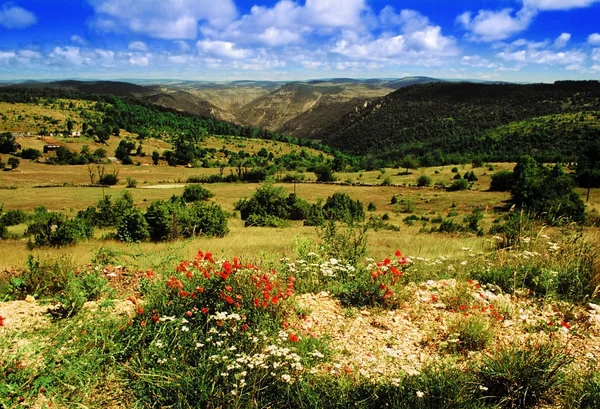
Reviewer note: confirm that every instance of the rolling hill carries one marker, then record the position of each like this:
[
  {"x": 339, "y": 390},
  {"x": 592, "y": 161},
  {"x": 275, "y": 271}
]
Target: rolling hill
[{"x": 469, "y": 119}]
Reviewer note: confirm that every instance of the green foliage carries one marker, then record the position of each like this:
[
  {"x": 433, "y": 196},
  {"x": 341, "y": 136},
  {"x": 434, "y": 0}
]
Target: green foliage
[
  {"x": 371, "y": 207},
  {"x": 458, "y": 185},
  {"x": 132, "y": 226},
  {"x": 424, "y": 181},
  {"x": 8, "y": 143},
  {"x": 3, "y": 230},
  {"x": 257, "y": 220},
  {"x": 270, "y": 203},
  {"x": 124, "y": 149},
  {"x": 583, "y": 392},
  {"x": 30, "y": 153},
  {"x": 546, "y": 192},
  {"x": 472, "y": 221},
  {"x": 341, "y": 207},
  {"x": 13, "y": 162},
  {"x": 155, "y": 157},
  {"x": 79, "y": 289},
  {"x": 193, "y": 193},
  {"x": 457, "y": 176},
  {"x": 471, "y": 333},
  {"x": 131, "y": 183},
  {"x": 502, "y": 181},
  {"x": 325, "y": 173},
  {"x": 56, "y": 230},
  {"x": 394, "y": 200},
  {"x": 347, "y": 243},
  {"x": 521, "y": 377},
  {"x": 109, "y": 179},
  {"x": 173, "y": 220},
  {"x": 13, "y": 217},
  {"x": 409, "y": 162}
]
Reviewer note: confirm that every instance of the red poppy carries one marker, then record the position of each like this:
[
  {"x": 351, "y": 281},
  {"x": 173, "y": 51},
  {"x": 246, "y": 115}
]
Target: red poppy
[
  {"x": 154, "y": 318},
  {"x": 403, "y": 260},
  {"x": 434, "y": 298},
  {"x": 244, "y": 327},
  {"x": 387, "y": 262},
  {"x": 275, "y": 300},
  {"x": 256, "y": 302},
  {"x": 1, "y": 321},
  {"x": 140, "y": 311},
  {"x": 228, "y": 288},
  {"x": 189, "y": 275},
  {"x": 227, "y": 267},
  {"x": 374, "y": 274},
  {"x": 204, "y": 310},
  {"x": 188, "y": 313},
  {"x": 183, "y": 294},
  {"x": 143, "y": 324},
  {"x": 398, "y": 253},
  {"x": 293, "y": 338},
  {"x": 200, "y": 289},
  {"x": 550, "y": 324},
  {"x": 149, "y": 274},
  {"x": 133, "y": 301},
  {"x": 566, "y": 325},
  {"x": 229, "y": 300},
  {"x": 285, "y": 325}
]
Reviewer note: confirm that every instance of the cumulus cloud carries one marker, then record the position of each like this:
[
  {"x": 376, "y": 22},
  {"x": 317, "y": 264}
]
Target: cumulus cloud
[
  {"x": 78, "y": 40},
  {"x": 13, "y": 17},
  {"x": 490, "y": 25},
  {"x": 547, "y": 57},
  {"x": 138, "y": 46},
  {"x": 562, "y": 40},
  {"x": 594, "y": 39},
  {"x": 558, "y": 4},
  {"x": 222, "y": 49},
  {"x": 596, "y": 54},
  {"x": 419, "y": 39},
  {"x": 165, "y": 19}
]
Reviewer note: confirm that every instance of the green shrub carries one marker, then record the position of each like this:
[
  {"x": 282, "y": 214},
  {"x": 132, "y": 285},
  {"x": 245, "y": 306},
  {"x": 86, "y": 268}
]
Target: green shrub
[
  {"x": 394, "y": 200},
  {"x": 472, "y": 221},
  {"x": 454, "y": 170},
  {"x": 325, "y": 173},
  {"x": 583, "y": 392},
  {"x": 13, "y": 163},
  {"x": 13, "y": 217},
  {"x": 193, "y": 193},
  {"x": 30, "y": 153},
  {"x": 132, "y": 227},
  {"x": 371, "y": 207},
  {"x": 522, "y": 377},
  {"x": 502, "y": 181},
  {"x": 458, "y": 185},
  {"x": 110, "y": 179},
  {"x": 448, "y": 226},
  {"x": 341, "y": 207},
  {"x": 270, "y": 201},
  {"x": 346, "y": 243},
  {"x": 56, "y": 230},
  {"x": 315, "y": 215},
  {"x": 424, "y": 181},
  {"x": 265, "y": 221},
  {"x": 471, "y": 333},
  {"x": 3, "y": 231},
  {"x": 457, "y": 176},
  {"x": 131, "y": 183}
]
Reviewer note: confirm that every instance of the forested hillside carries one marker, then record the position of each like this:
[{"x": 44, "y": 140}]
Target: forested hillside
[{"x": 453, "y": 121}]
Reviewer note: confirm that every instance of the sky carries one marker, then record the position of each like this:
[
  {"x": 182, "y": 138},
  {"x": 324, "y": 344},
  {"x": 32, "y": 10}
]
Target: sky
[{"x": 220, "y": 40}]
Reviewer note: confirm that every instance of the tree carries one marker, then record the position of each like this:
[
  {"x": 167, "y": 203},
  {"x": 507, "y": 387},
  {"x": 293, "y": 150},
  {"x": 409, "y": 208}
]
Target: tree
[
  {"x": 8, "y": 143},
  {"x": 124, "y": 149},
  {"x": 588, "y": 167},
  {"x": 409, "y": 162},
  {"x": 13, "y": 163},
  {"x": 155, "y": 157},
  {"x": 324, "y": 173}
]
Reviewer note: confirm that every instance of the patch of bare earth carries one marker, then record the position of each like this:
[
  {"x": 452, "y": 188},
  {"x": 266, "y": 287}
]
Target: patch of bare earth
[{"x": 377, "y": 343}]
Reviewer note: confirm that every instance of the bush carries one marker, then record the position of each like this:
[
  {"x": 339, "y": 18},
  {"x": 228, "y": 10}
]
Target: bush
[
  {"x": 394, "y": 200},
  {"x": 458, "y": 185},
  {"x": 471, "y": 333},
  {"x": 454, "y": 170},
  {"x": 457, "y": 176},
  {"x": 14, "y": 217},
  {"x": 131, "y": 183},
  {"x": 173, "y": 220},
  {"x": 341, "y": 207},
  {"x": 265, "y": 221},
  {"x": 13, "y": 163},
  {"x": 424, "y": 181},
  {"x": 521, "y": 377},
  {"x": 371, "y": 207},
  {"x": 193, "y": 193},
  {"x": 3, "y": 231},
  {"x": 502, "y": 181},
  {"x": 325, "y": 173},
  {"x": 270, "y": 201},
  {"x": 110, "y": 179},
  {"x": 132, "y": 227},
  {"x": 30, "y": 153},
  {"x": 54, "y": 229},
  {"x": 583, "y": 392}
]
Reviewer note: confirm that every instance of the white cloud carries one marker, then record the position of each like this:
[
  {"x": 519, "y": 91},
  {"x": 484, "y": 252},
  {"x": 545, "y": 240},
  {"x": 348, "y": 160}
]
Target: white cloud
[
  {"x": 5, "y": 55},
  {"x": 138, "y": 46},
  {"x": 596, "y": 54},
  {"x": 12, "y": 16},
  {"x": 78, "y": 40},
  {"x": 490, "y": 25},
  {"x": 558, "y": 4},
  {"x": 222, "y": 49},
  {"x": 420, "y": 40},
  {"x": 547, "y": 57},
  {"x": 30, "y": 54},
  {"x": 594, "y": 39},
  {"x": 562, "y": 40},
  {"x": 165, "y": 19},
  {"x": 476, "y": 61},
  {"x": 139, "y": 60},
  {"x": 334, "y": 13}
]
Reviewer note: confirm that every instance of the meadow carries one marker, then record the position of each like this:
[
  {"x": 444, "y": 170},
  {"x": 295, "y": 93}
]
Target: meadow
[{"x": 437, "y": 299}]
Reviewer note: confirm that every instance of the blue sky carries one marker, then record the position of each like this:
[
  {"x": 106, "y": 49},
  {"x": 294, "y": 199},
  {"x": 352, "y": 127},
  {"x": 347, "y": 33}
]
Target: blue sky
[{"x": 512, "y": 40}]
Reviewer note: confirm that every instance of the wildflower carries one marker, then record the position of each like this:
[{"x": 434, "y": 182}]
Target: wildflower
[
  {"x": 1, "y": 321},
  {"x": 188, "y": 313},
  {"x": 420, "y": 394},
  {"x": 185, "y": 329},
  {"x": 133, "y": 300},
  {"x": 293, "y": 338},
  {"x": 199, "y": 345},
  {"x": 566, "y": 325},
  {"x": 398, "y": 253},
  {"x": 149, "y": 273},
  {"x": 229, "y": 299},
  {"x": 143, "y": 324},
  {"x": 140, "y": 311},
  {"x": 204, "y": 310}
]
